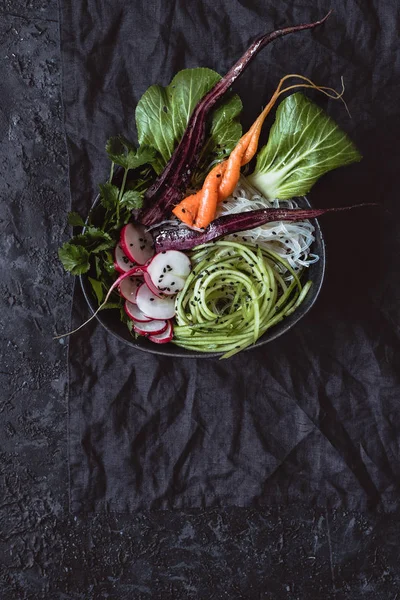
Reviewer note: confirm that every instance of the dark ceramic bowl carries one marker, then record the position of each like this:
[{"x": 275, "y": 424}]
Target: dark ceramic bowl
[{"x": 110, "y": 320}]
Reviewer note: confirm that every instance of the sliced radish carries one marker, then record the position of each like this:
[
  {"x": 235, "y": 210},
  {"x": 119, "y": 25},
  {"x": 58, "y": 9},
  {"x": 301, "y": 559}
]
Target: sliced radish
[
  {"x": 136, "y": 243},
  {"x": 153, "y": 327},
  {"x": 122, "y": 263},
  {"x": 128, "y": 288},
  {"x": 149, "y": 282},
  {"x": 135, "y": 313},
  {"x": 163, "y": 338},
  {"x": 168, "y": 271},
  {"x": 153, "y": 306},
  {"x": 169, "y": 284}
]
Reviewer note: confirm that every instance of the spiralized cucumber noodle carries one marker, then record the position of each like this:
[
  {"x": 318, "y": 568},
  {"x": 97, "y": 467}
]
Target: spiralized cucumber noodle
[
  {"x": 291, "y": 241},
  {"x": 233, "y": 295}
]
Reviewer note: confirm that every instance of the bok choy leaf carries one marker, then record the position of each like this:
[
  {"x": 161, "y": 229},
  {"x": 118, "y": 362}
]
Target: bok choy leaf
[
  {"x": 304, "y": 143},
  {"x": 162, "y": 115}
]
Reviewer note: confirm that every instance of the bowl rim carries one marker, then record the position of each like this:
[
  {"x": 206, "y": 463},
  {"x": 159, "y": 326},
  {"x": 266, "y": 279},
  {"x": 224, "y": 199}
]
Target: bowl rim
[{"x": 279, "y": 329}]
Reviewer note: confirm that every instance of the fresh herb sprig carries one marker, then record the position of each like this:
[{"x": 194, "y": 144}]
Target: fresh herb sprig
[{"x": 117, "y": 200}]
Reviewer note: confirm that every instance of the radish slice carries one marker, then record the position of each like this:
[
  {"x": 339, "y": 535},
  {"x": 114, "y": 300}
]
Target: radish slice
[
  {"x": 122, "y": 263},
  {"x": 153, "y": 306},
  {"x": 136, "y": 243},
  {"x": 135, "y": 313},
  {"x": 149, "y": 282},
  {"x": 168, "y": 271},
  {"x": 151, "y": 327},
  {"x": 128, "y": 288},
  {"x": 163, "y": 338},
  {"x": 169, "y": 284}
]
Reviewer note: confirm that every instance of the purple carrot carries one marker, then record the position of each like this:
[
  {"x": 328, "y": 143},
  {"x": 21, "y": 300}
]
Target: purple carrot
[
  {"x": 170, "y": 187},
  {"x": 179, "y": 238}
]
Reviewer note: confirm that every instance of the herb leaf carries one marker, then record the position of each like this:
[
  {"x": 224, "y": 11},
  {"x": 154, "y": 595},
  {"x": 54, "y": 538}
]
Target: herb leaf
[
  {"x": 95, "y": 240},
  {"x": 304, "y": 143},
  {"x": 111, "y": 305},
  {"x": 109, "y": 196},
  {"x": 132, "y": 199},
  {"x": 97, "y": 287},
  {"x": 121, "y": 152},
  {"x": 75, "y": 220},
  {"x": 75, "y": 259},
  {"x": 162, "y": 114}
]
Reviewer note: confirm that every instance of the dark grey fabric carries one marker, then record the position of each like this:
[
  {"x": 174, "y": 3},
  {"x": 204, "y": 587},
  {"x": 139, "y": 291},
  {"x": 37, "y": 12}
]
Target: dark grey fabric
[{"x": 312, "y": 417}]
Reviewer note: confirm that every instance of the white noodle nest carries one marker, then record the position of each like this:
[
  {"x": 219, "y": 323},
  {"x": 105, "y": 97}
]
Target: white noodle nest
[{"x": 292, "y": 241}]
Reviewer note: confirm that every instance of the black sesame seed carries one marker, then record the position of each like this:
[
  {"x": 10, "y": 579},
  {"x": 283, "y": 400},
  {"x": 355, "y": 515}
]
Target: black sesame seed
[
  {"x": 131, "y": 245},
  {"x": 151, "y": 299},
  {"x": 274, "y": 233}
]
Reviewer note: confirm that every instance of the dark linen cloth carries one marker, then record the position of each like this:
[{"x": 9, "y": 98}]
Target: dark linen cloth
[{"x": 312, "y": 417}]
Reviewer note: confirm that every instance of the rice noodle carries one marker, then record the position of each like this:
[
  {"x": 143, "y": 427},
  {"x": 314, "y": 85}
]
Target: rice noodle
[{"x": 292, "y": 241}]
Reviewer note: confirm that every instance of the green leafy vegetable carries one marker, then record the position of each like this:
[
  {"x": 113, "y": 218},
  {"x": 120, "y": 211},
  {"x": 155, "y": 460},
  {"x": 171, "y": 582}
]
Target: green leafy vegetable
[
  {"x": 74, "y": 254},
  {"x": 97, "y": 287},
  {"x": 132, "y": 199},
  {"x": 121, "y": 152},
  {"x": 93, "y": 239},
  {"x": 225, "y": 132},
  {"x": 304, "y": 143},
  {"x": 75, "y": 220},
  {"x": 109, "y": 195},
  {"x": 75, "y": 259},
  {"x": 109, "y": 305},
  {"x": 162, "y": 115}
]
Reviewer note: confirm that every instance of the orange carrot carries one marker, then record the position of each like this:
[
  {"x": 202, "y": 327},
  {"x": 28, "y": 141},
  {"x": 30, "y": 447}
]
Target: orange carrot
[
  {"x": 209, "y": 196},
  {"x": 232, "y": 172},
  {"x": 244, "y": 151},
  {"x": 186, "y": 210},
  {"x": 223, "y": 181}
]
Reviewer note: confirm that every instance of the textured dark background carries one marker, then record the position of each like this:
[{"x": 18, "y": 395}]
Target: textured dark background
[{"x": 294, "y": 552}]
